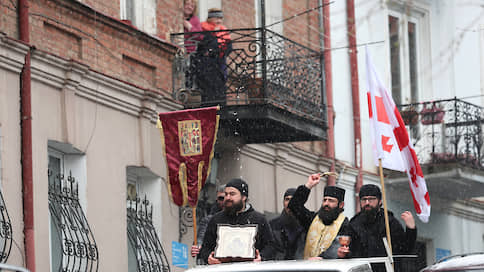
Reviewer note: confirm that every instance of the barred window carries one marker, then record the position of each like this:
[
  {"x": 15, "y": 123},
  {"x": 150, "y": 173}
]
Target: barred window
[
  {"x": 5, "y": 225},
  {"x": 145, "y": 251},
  {"x": 73, "y": 247},
  {"x": 5, "y": 232}
]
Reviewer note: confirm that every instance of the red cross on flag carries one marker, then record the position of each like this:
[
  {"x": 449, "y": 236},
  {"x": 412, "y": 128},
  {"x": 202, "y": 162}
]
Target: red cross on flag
[{"x": 391, "y": 143}]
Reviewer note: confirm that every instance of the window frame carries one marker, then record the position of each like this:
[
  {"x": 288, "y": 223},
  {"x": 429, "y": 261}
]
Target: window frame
[
  {"x": 142, "y": 13},
  {"x": 71, "y": 162},
  {"x": 406, "y": 95},
  {"x": 56, "y": 154}
]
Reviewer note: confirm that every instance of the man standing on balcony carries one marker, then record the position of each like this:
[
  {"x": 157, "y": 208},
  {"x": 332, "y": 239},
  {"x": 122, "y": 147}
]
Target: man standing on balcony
[
  {"x": 323, "y": 226},
  {"x": 210, "y": 66},
  {"x": 237, "y": 211}
]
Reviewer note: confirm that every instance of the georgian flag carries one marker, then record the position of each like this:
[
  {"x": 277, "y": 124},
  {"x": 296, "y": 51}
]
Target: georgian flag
[{"x": 391, "y": 143}]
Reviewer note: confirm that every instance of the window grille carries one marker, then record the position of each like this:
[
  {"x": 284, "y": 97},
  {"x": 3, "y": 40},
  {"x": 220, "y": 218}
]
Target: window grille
[
  {"x": 5, "y": 232},
  {"x": 143, "y": 239},
  {"x": 78, "y": 248}
]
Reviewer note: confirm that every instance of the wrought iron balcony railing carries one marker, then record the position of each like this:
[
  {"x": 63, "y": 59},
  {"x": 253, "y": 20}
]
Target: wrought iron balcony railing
[
  {"x": 247, "y": 67},
  {"x": 446, "y": 131}
]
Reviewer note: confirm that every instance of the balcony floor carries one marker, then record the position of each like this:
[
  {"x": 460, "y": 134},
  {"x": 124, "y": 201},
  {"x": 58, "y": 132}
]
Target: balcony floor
[
  {"x": 264, "y": 123},
  {"x": 451, "y": 181}
]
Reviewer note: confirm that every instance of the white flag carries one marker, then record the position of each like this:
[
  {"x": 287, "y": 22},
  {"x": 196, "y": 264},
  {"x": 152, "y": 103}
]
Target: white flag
[{"x": 391, "y": 143}]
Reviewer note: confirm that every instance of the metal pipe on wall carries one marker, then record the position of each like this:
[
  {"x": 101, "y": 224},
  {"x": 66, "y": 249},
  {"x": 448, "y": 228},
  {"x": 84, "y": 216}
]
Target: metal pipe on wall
[
  {"x": 26, "y": 132},
  {"x": 327, "y": 82},
  {"x": 355, "y": 95}
]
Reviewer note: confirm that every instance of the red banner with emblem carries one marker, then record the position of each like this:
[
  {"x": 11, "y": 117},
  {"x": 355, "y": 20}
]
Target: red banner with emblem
[{"x": 188, "y": 138}]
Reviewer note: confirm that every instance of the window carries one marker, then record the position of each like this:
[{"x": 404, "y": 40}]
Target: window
[
  {"x": 273, "y": 14},
  {"x": 145, "y": 252},
  {"x": 404, "y": 55},
  {"x": 141, "y": 14},
  {"x": 5, "y": 225},
  {"x": 72, "y": 244}
]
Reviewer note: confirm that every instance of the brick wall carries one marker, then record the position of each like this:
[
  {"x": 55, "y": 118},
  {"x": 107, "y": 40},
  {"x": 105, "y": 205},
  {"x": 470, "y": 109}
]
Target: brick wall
[
  {"x": 169, "y": 17},
  {"x": 8, "y": 18},
  {"x": 302, "y": 29},
  {"x": 107, "y": 45},
  {"x": 73, "y": 31},
  {"x": 239, "y": 14}
]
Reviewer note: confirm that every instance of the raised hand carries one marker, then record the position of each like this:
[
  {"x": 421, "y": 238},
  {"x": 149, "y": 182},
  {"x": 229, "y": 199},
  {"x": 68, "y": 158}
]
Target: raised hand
[
  {"x": 407, "y": 217},
  {"x": 313, "y": 180}
]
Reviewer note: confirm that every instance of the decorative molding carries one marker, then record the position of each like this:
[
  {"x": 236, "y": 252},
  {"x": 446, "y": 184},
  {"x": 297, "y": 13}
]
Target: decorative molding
[
  {"x": 12, "y": 54},
  {"x": 99, "y": 88},
  {"x": 418, "y": 7},
  {"x": 286, "y": 156}
]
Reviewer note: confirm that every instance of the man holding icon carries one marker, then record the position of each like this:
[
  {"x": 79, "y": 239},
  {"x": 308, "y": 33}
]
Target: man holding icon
[
  {"x": 227, "y": 231},
  {"x": 324, "y": 226}
]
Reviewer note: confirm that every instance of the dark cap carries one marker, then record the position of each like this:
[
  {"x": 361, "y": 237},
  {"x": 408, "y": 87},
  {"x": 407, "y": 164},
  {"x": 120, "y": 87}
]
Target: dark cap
[
  {"x": 240, "y": 185},
  {"x": 335, "y": 192},
  {"x": 215, "y": 13},
  {"x": 290, "y": 192},
  {"x": 370, "y": 190}
]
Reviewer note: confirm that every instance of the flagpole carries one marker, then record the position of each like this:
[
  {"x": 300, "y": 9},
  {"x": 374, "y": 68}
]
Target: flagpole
[
  {"x": 194, "y": 217},
  {"x": 387, "y": 225}
]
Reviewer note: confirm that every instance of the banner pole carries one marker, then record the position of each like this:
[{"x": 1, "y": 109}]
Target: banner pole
[
  {"x": 194, "y": 212},
  {"x": 387, "y": 225}
]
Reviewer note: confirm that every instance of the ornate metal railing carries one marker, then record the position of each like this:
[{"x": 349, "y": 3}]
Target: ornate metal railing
[
  {"x": 248, "y": 66},
  {"x": 446, "y": 131},
  {"x": 5, "y": 231},
  {"x": 143, "y": 239},
  {"x": 78, "y": 248}
]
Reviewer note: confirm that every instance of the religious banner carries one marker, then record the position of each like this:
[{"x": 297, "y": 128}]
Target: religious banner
[{"x": 188, "y": 138}]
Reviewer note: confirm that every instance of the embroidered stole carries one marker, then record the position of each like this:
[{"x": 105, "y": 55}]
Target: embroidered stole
[{"x": 320, "y": 237}]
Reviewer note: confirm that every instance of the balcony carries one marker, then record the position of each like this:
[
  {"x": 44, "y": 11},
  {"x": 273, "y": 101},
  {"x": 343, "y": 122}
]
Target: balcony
[
  {"x": 448, "y": 139},
  {"x": 268, "y": 87}
]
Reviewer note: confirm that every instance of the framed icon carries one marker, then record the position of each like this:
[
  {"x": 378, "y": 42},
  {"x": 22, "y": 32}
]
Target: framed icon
[{"x": 236, "y": 241}]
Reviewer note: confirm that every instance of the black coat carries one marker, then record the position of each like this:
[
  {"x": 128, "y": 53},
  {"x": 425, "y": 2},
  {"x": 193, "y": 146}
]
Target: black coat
[
  {"x": 366, "y": 239},
  {"x": 306, "y": 217},
  {"x": 289, "y": 239},
  {"x": 264, "y": 239}
]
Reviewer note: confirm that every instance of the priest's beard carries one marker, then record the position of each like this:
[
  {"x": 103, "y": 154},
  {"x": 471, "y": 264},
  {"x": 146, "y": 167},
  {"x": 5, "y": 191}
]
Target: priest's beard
[
  {"x": 234, "y": 208},
  {"x": 328, "y": 216},
  {"x": 369, "y": 214}
]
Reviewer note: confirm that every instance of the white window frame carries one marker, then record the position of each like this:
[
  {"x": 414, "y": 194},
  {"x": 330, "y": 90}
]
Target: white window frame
[
  {"x": 274, "y": 13},
  {"x": 405, "y": 83},
  {"x": 147, "y": 184},
  {"x": 58, "y": 155},
  {"x": 1, "y": 153},
  {"x": 144, "y": 14},
  {"x": 417, "y": 12},
  {"x": 70, "y": 162}
]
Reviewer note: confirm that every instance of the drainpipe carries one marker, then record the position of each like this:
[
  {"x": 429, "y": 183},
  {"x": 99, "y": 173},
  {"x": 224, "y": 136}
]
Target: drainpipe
[
  {"x": 355, "y": 95},
  {"x": 26, "y": 131},
  {"x": 327, "y": 83}
]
